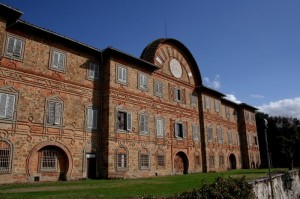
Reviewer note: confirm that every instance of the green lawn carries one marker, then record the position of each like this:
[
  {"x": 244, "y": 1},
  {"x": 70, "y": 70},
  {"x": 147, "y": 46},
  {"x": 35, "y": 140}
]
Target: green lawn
[{"x": 156, "y": 186}]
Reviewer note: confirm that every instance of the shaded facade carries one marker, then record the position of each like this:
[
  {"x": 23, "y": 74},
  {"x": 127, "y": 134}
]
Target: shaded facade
[{"x": 70, "y": 111}]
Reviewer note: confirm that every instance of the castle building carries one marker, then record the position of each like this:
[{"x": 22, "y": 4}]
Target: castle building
[{"x": 71, "y": 111}]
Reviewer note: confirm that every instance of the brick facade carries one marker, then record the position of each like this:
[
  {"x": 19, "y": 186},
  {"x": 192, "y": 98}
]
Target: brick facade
[{"x": 79, "y": 112}]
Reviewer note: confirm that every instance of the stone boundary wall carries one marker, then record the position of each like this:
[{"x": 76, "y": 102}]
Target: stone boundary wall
[{"x": 262, "y": 187}]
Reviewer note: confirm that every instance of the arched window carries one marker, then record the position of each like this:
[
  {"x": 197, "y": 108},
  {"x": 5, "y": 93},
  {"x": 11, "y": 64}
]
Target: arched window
[
  {"x": 144, "y": 159},
  {"x": 122, "y": 158},
  {"x": 48, "y": 158},
  {"x": 160, "y": 159},
  {"x": 5, "y": 156}
]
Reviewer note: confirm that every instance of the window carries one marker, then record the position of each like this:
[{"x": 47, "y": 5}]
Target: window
[
  {"x": 122, "y": 74},
  {"x": 179, "y": 130},
  {"x": 7, "y": 106},
  {"x": 211, "y": 161},
  {"x": 230, "y": 138},
  {"x": 238, "y": 139},
  {"x": 252, "y": 117},
  {"x": 220, "y": 135},
  {"x": 210, "y": 133},
  {"x": 122, "y": 158},
  {"x": 207, "y": 102},
  {"x": 197, "y": 159},
  {"x": 217, "y": 106},
  {"x": 247, "y": 116},
  {"x": 193, "y": 100},
  {"x": 143, "y": 81},
  {"x": 54, "y": 113},
  {"x": 250, "y": 139},
  {"x": 158, "y": 88},
  {"x": 5, "y": 156},
  {"x": 123, "y": 121},
  {"x": 143, "y": 123},
  {"x": 159, "y": 127},
  {"x": 227, "y": 110},
  {"x": 177, "y": 95},
  {"x": 144, "y": 159},
  {"x": 195, "y": 132},
  {"x": 14, "y": 47},
  {"x": 93, "y": 71},
  {"x": 48, "y": 159},
  {"x": 161, "y": 160},
  {"x": 91, "y": 118},
  {"x": 255, "y": 140},
  {"x": 58, "y": 61},
  {"x": 221, "y": 160}
]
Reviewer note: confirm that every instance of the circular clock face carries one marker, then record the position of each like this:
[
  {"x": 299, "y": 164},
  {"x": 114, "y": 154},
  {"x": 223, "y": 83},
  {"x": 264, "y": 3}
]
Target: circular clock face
[{"x": 175, "y": 68}]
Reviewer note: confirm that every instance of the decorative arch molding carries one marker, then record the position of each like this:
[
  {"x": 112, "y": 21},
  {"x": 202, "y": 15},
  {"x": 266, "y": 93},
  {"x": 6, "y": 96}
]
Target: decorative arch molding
[
  {"x": 29, "y": 162},
  {"x": 8, "y": 146},
  {"x": 180, "y": 162}
]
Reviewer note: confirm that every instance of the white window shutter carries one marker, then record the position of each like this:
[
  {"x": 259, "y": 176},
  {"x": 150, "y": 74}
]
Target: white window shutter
[
  {"x": 10, "y": 46},
  {"x": 51, "y": 112},
  {"x": 146, "y": 123},
  {"x": 61, "y": 61},
  {"x": 10, "y": 106},
  {"x": 91, "y": 71},
  {"x": 55, "y": 58},
  {"x": 96, "y": 71},
  {"x": 183, "y": 131},
  {"x": 3, "y": 98},
  {"x": 176, "y": 127},
  {"x": 18, "y": 48},
  {"x": 129, "y": 122},
  {"x": 95, "y": 117},
  {"x": 57, "y": 115},
  {"x": 124, "y": 74},
  {"x": 89, "y": 118}
]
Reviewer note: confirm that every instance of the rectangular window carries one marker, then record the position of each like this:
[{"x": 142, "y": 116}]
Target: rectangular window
[
  {"x": 122, "y": 74},
  {"x": 48, "y": 160},
  {"x": 207, "y": 102},
  {"x": 230, "y": 138},
  {"x": 58, "y": 61},
  {"x": 197, "y": 160},
  {"x": 54, "y": 113},
  {"x": 238, "y": 139},
  {"x": 217, "y": 106},
  {"x": 159, "y": 127},
  {"x": 255, "y": 140},
  {"x": 143, "y": 81},
  {"x": 211, "y": 161},
  {"x": 143, "y": 123},
  {"x": 221, "y": 160},
  {"x": 5, "y": 157},
  {"x": 220, "y": 135},
  {"x": 195, "y": 132},
  {"x": 161, "y": 160},
  {"x": 122, "y": 161},
  {"x": 194, "y": 100},
  {"x": 93, "y": 71},
  {"x": 177, "y": 95},
  {"x": 144, "y": 161},
  {"x": 227, "y": 110},
  {"x": 158, "y": 88},
  {"x": 210, "y": 133},
  {"x": 179, "y": 130},
  {"x": 250, "y": 139},
  {"x": 14, "y": 47},
  {"x": 247, "y": 116},
  {"x": 123, "y": 121},
  {"x": 7, "y": 106},
  {"x": 91, "y": 120}
]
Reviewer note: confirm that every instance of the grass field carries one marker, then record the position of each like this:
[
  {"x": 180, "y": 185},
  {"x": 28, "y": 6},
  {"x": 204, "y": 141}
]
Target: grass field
[{"x": 156, "y": 186}]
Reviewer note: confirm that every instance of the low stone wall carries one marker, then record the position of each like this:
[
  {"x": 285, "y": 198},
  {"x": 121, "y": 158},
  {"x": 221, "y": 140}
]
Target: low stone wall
[{"x": 262, "y": 187}]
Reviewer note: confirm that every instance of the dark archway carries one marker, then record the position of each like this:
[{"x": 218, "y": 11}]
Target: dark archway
[
  {"x": 232, "y": 161},
  {"x": 181, "y": 163}
]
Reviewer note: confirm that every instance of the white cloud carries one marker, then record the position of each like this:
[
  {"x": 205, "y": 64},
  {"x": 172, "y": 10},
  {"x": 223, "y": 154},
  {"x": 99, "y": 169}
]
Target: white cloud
[
  {"x": 215, "y": 83},
  {"x": 285, "y": 107},
  {"x": 232, "y": 98},
  {"x": 257, "y": 96}
]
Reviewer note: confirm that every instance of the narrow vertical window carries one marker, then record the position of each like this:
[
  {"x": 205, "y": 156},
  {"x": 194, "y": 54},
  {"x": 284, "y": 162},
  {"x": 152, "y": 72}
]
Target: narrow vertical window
[
  {"x": 195, "y": 132},
  {"x": 179, "y": 130},
  {"x": 91, "y": 119},
  {"x": 211, "y": 161},
  {"x": 93, "y": 71},
  {"x": 177, "y": 95},
  {"x": 143, "y": 81},
  {"x": 158, "y": 88},
  {"x": 159, "y": 127},
  {"x": 7, "y": 105},
  {"x": 220, "y": 135},
  {"x": 54, "y": 113},
  {"x": 221, "y": 160},
  {"x": 210, "y": 134},
  {"x": 122, "y": 74},
  {"x": 227, "y": 111},
  {"x": 144, "y": 159},
  {"x": 5, "y": 157},
  {"x": 143, "y": 123},
  {"x": 207, "y": 102},
  {"x": 58, "y": 61},
  {"x": 122, "y": 158},
  {"x": 161, "y": 160},
  {"x": 123, "y": 121},
  {"x": 14, "y": 47},
  {"x": 230, "y": 141},
  {"x": 217, "y": 106},
  {"x": 193, "y": 100}
]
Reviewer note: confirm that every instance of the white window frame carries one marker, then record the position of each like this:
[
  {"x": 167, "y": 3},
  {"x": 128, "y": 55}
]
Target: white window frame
[
  {"x": 227, "y": 112},
  {"x": 161, "y": 160},
  {"x": 7, "y": 105},
  {"x": 220, "y": 135},
  {"x": 5, "y": 156},
  {"x": 93, "y": 71},
  {"x": 143, "y": 81},
  {"x": 17, "y": 50},
  {"x": 122, "y": 159},
  {"x": 127, "y": 121},
  {"x": 57, "y": 114},
  {"x": 195, "y": 131},
  {"x": 178, "y": 95},
  {"x": 48, "y": 157},
  {"x": 230, "y": 140},
  {"x": 207, "y": 102},
  {"x": 144, "y": 160},
  {"x": 179, "y": 130},
  {"x": 143, "y": 123},
  {"x": 91, "y": 118},
  {"x": 217, "y": 106},
  {"x": 61, "y": 62},
  {"x": 158, "y": 88},
  {"x": 210, "y": 134},
  {"x": 121, "y": 74},
  {"x": 193, "y": 100},
  {"x": 160, "y": 127}
]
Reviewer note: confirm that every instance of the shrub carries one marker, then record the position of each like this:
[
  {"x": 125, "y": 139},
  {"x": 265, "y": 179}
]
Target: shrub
[{"x": 287, "y": 180}]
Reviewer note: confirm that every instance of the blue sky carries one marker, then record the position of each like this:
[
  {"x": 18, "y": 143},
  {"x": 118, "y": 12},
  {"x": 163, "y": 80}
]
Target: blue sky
[{"x": 246, "y": 49}]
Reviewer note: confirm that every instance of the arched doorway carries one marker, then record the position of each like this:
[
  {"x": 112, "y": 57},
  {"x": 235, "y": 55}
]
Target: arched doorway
[
  {"x": 181, "y": 163},
  {"x": 232, "y": 161}
]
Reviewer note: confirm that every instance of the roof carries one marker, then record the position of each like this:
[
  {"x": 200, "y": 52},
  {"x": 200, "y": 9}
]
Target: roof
[
  {"x": 112, "y": 51},
  {"x": 229, "y": 102},
  {"x": 9, "y": 13},
  {"x": 212, "y": 91},
  {"x": 148, "y": 54},
  {"x": 244, "y": 105}
]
